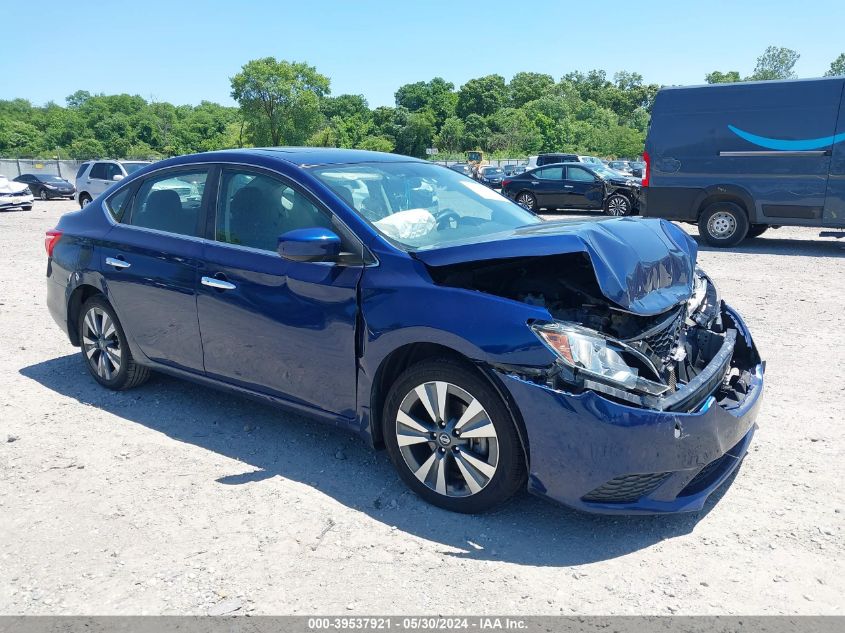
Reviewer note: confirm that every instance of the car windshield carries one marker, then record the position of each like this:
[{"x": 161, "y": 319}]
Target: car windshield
[
  {"x": 423, "y": 206},
  {"x": 601, "y": 170},
  {"x": 131, "y": 168}
]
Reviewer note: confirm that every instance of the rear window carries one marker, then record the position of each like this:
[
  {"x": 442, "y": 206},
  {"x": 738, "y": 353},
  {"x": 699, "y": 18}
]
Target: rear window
[
  {"x": 100, "y": 171},
  {"x": 81, "y": 170}
]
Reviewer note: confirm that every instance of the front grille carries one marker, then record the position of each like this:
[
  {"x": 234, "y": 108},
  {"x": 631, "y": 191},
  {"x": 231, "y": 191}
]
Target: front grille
[
  {"x": 663, "y": 342},
  {"x": 627, "y": 488}
]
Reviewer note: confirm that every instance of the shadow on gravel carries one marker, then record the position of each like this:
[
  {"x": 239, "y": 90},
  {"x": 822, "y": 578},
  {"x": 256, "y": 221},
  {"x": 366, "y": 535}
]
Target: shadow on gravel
[
  {"x": 795, "y": 247},
  {"x": 527, "y": 531}
]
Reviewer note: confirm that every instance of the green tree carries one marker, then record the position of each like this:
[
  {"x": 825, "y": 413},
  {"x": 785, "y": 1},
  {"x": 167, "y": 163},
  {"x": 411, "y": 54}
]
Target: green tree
[
  {"x": 482, "y": 96},
  {"x": 451, "y": 136},
  {"x": 525, "y": 87},
  {"x": 718, "y": 77},
  {"x": 775, "y": 63},
  {"x": 837, "y": 67},
  {"x": 279, "y": 99}
]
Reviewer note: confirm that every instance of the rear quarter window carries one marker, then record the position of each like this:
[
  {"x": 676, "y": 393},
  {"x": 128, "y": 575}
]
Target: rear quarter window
[
  {"x": 118, "y": 203},
  {"x": 82, "y": 169}
]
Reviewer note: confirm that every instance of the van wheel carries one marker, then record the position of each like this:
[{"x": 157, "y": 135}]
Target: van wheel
[
  {"x": 84, "y": 199},
  {"x": 723, "y": 224},
  {"x": 451, "y": 437},
  {"x": 756, "y": 230}
]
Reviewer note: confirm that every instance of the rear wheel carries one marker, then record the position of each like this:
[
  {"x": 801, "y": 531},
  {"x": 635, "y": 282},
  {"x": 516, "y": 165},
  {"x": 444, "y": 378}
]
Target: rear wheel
[
  {"x": 84, "y": 200},
  {"x": 451, "y": 438},
  {"x": 527, "y": 199},
  {"x": 723, "y": 224},
  {"x": 104, "y": 347},
  {"x": 756, "y": 230}
]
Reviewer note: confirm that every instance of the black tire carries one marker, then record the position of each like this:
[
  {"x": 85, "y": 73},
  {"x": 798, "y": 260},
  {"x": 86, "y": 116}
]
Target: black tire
[
  {"x": 618, "y": 205},
  {"x": 29, "y": 208},
  {"x": 526, "y": 199},
  {"x": 43, "y": 194},
  {"x": 723, "y": 224},
  {"x": 84, "y": 199},
  {"x": 509, "y": 474},
  {"x": 756, "y": 230},
  {"x": 129, "y": 373}
]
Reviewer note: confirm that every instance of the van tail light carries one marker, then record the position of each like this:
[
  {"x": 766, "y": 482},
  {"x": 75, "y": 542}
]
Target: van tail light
[
  {"x": 505, "y": 182},
  {"x": 50, "y": 241},
  {"x": 646, "y": 169}
]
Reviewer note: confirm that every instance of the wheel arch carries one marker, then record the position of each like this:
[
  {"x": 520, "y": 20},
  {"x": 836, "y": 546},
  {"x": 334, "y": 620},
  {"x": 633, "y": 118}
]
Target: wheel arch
[
  {"x": 410, "y": 354},
  {"x": 77, "y": 299},
  {"x": 726, "y": 193}
]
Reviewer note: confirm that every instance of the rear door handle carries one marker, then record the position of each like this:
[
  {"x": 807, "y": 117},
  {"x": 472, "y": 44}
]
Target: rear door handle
[
  {"x": 568, "y": 186},
  {"x": 117, "y": 263},
  {"x": 217, "y": 284},
  {"x": 535, "y": 182}
]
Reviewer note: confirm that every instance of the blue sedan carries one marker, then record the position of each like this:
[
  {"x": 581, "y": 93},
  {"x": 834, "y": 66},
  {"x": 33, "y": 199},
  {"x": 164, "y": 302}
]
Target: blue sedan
[{"x": 487, "y": 350}]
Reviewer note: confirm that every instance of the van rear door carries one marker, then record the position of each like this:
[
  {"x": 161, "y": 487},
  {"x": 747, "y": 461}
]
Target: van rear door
[{"x": 834, "y": 204}]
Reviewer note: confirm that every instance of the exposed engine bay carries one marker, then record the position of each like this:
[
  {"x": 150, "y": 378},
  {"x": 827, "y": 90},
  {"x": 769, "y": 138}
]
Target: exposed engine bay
[{"x": 669, "y": 361}]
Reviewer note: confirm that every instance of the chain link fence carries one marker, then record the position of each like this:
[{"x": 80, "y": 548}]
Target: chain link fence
[{"x": 14, "y": 167}]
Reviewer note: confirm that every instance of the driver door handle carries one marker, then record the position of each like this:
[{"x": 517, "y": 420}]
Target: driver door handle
[
  {"x": 568, "y": 186},
  {"x": 535, "y": 182},
  {"x": 217, "y": 284},
  {"x": 117, "y": 263}
]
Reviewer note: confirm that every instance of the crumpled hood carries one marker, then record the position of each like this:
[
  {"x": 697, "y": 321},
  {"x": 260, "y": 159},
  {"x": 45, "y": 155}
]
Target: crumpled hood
[
  {"x": 10, "y": 186},
  {"x": 645, "y": 266}
]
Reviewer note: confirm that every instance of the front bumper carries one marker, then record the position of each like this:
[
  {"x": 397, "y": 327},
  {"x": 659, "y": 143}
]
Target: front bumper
[
  {"x": 15, "y": 202},
  {"x": 597, "y": 455}
]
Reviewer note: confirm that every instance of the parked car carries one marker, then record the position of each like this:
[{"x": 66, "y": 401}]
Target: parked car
[
  {"x": 94, "y": 177},
  {"x": 509, "y": 170},
  {"x": 739, "y": 158},
  {"x": 47, "y": 186},
  {"x": 14, "y": 195},
  {"x": 519, "y": 169},
  {"x": 574, "y": 186},
  {"x": 461, "y": 168},
  {"x": 591, "y": 160},
  {"x": 431, "y": 316},
  {"x": 637, "y": 168},
  {"x": 550, "y": 159},
  {"x": 621, "y": 166},
  {"x": 491, "y": 176}
]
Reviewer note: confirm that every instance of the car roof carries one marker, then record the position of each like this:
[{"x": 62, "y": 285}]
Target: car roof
[{"x": 311, "y": 156}]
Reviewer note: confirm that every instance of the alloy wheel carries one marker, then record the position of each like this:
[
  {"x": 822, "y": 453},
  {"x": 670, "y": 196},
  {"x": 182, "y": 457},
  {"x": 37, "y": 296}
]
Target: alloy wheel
[
  {"x": 618, "y": 205},
  {"x": 721, "y": 225},
  {"x": 525, "y": 200},
  {"x": 43, "y": 195},
  {"x": 447, "y": 439},
  {"x": 101, "y": 343}
]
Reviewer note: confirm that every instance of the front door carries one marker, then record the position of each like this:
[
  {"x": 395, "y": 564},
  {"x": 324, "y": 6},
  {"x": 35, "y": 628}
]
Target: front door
[
  {"x": 583, "y": 189},
  {"x": 101, "y": 177},
  {"x": 268, "y": 324}
]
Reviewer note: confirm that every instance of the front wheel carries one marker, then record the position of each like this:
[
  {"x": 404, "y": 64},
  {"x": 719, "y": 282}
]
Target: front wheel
[
  {"x": 527, "y": 200},
  {"x": 451, "y": 438},
  {"x": 84, "y": 200},
  {"x": 104, "y": 347},
  {"x": 617, "y": 205},
  {"x": 43, "y": 194},
  {"x": 723, "y": 224}
]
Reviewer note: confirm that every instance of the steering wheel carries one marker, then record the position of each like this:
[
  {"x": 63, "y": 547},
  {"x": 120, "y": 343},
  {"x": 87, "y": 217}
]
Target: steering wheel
[{"x": 445, "y": 219}]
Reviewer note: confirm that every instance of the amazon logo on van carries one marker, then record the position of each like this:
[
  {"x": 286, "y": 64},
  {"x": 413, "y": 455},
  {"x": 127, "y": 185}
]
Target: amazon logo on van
[{"x": 800, "y": 145}]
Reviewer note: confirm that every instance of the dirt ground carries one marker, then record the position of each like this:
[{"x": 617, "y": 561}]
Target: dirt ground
[{"x": 176, "y": 499}]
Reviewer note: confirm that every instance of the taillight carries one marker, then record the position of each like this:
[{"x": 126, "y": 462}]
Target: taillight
[
  {"x": 505, "y": 183},
  {"x": 646, "y": 169},
  {"x": 51, "y": 240}
]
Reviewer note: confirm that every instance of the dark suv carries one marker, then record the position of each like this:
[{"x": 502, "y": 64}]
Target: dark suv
[{"x": 574, "y": 186}]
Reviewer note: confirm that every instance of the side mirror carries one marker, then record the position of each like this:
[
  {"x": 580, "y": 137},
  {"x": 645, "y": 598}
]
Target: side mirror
[
  {"x": 309, "y": 245},
  {"x": 117, "y": 177}
]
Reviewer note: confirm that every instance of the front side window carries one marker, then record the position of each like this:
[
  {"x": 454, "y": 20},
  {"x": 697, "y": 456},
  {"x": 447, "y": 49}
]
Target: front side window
[
  {"x": 579, "y": 175},
  {"x": 170, "y": 202},
  {"x": 254, "y": 209},
  {"x": 420, "y": 205}
]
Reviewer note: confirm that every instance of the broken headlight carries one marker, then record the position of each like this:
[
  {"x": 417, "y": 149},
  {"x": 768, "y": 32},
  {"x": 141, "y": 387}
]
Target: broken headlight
[{"x": 596, "y": 356}]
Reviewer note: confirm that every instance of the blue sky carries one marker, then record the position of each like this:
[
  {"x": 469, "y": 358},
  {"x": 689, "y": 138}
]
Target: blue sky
[{"x": 184, "y": 51}]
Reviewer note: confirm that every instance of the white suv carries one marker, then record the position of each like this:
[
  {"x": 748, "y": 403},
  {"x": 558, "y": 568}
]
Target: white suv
[{"x": 95, "y": 176}]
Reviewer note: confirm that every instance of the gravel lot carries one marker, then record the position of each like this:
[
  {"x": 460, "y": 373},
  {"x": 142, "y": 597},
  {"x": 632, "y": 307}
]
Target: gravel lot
[{"x": 176, "y": 499}]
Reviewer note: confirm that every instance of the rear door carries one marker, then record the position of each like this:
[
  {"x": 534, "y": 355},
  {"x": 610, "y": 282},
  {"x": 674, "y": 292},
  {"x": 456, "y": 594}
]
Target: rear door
[
  {"x": 548, "y": 186},
  {"x": 582, "y": 189},
  {"x": 149, "y": 261},
  {"x": 100, "y": 178},
  {"x": 834, "y": 204}
]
